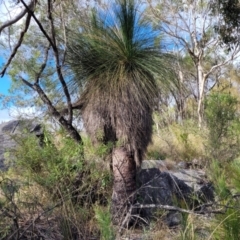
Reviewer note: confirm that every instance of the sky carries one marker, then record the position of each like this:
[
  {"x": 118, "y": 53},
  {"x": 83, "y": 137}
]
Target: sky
[
  {"x": 4, "y": 86},
  {"x": 12, "y": 112},
  {"x": 4, "y": 81}
]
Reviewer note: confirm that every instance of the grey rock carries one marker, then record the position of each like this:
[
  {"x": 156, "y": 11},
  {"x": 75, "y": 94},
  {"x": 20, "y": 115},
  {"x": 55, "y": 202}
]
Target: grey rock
[
  {"x": 12, "y": 128},
  {"x": 194, "y": 178},
  {"x": 173, "y": 218},
  {"x": 182, "y": 165},
  {"x": 157, "y": 187},
  {"x": 206, "y": 193},
  {"x": 9, "y": 127},
  {"x": 171, "y": 187}
]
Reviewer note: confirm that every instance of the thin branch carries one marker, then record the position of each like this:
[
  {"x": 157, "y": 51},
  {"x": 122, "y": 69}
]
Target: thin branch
[
  {"x": 38, "y": 75},
  {"x": 125, "y": 220},
  {"x": 39, "y": 24},
  {"x": 20, "y": 40},
  {"x": 77, "y": 105},
  {"x": 58, "y": 65},
  {"x": 52, "y": 41},
  {"x": 173, "y": 208},
  {"x": 18, "y": 17},
  {"x": 166, "y": 28},
  {"x": 27, "y": 83},
  {"x": 71, "y": 130},
  {"x": 233, "y": 56},
  {"x": 64, "y": 31}
]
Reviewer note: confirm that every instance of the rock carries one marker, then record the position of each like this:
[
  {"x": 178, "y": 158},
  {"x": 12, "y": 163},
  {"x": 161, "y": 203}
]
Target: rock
[
  {"x": 157, "y": 187},
  {"x": 173, "y": 219},
  {"x": 9, "y": 127},
  {"x": 12, "y": 128},
  {"x": 182, "y": 165},
  {"x": 194, "y": 178},
  {"x": 186, "y": 188},
  {"x": 206, "y": 193}
]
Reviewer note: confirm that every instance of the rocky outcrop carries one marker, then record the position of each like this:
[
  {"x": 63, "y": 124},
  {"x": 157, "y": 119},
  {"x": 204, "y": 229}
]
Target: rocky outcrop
[{"x": 12, "y": 128}]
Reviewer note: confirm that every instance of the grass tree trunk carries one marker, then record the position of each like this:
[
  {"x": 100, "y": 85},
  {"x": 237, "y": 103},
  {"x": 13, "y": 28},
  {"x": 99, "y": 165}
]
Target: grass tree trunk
[{"x": 124, "y": 187}]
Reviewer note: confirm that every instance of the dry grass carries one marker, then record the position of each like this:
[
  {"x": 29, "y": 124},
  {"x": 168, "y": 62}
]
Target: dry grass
[
  {"x": 30, "y": 212},
  {"x": 158, "y": 231},
  {"x": 178, "y": 143}
]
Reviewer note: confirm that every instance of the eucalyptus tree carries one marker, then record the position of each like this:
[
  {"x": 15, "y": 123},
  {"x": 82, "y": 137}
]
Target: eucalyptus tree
[
  {"x": 191, "y": 25},
  {"x": 117, "y": 59}
]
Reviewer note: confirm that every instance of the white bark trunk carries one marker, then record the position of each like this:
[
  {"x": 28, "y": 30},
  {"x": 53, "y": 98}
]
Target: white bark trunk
[{"x": 201, "y": 85}]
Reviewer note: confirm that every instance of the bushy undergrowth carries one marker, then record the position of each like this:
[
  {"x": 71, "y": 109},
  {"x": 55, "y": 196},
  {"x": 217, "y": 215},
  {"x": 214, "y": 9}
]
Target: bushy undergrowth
[
  {"x": 216, "y": 146},
  {"x": 57, "y": 192},
  {"x": 223, "y": 125},
  {"x": 52, "y": 191}
]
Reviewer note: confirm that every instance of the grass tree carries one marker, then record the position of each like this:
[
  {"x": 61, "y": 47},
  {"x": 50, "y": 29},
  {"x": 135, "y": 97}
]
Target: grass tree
[{"x": 118, "y": 61}]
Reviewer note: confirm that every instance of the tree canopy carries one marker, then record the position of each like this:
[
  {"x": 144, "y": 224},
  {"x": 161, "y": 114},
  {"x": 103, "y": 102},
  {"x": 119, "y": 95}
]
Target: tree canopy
[{"x": 228, "y": 27}]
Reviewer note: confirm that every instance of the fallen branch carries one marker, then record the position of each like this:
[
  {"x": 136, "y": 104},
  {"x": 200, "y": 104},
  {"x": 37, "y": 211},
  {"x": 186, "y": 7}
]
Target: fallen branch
[
  {"x": 173, "y": 208},
  {"x": 166, "y": 207}
]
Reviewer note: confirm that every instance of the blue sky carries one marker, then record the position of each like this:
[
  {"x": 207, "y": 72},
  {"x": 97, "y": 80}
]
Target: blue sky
[
  {"x": 4, "y": 81},
  {"x": 4, "y": 86}
]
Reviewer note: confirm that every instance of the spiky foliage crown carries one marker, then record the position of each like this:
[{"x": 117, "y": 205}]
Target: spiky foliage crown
[{"x": 117, "y": 58}]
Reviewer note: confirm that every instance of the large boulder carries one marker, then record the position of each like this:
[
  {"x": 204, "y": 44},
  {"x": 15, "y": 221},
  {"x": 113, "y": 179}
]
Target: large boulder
[
  {"x": 12, "y": 128},
  {"x": 185, "y": 188}
]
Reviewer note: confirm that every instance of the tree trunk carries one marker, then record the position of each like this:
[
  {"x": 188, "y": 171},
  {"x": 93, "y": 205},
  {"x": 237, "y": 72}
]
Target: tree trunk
[
  {"x": 201, "y": 85},
  {"x": 124, "y": 187}
]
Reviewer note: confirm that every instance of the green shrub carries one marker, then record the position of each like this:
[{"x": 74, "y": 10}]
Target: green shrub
[
  {"x": 103, "y": 218},
  {"x": 227, "y": 225},
  {"x": 234, "y": 175},
  {"x": 52, "y": 168},
  {"x": 224, "y": 126},
  {"x": 218, "y": 175},
  {"x": 56, "y": 183},
  {"x": 226, "y": 178}
]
